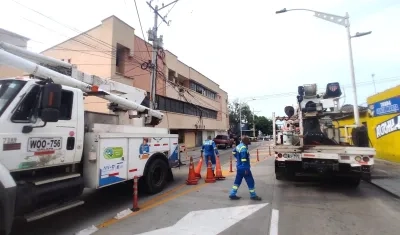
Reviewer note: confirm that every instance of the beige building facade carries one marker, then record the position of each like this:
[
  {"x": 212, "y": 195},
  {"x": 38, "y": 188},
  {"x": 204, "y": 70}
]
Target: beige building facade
[{"x": 195, "y": 106}]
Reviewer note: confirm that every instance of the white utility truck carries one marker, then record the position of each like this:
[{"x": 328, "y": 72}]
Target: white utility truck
[
  {"x": 51, "y": 148},
  {"x": 309, "y": 143}
]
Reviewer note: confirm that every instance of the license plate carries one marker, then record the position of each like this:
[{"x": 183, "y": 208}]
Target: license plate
[
  {"x": 44, "y": 144},
  {"x": 293, "y": 156}
]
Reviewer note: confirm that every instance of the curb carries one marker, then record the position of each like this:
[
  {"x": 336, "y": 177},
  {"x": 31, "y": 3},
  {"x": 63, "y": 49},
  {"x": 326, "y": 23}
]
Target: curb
[{"x": 383, "y": 189}]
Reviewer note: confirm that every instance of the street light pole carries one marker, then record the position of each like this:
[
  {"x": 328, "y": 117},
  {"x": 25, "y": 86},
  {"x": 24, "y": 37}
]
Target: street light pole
[
  {"x": 343, "y": 21},
  {"x": 353, "y": 76},
  {"x": 254, "y": 123},
  {"x": 240, "y": 115}
]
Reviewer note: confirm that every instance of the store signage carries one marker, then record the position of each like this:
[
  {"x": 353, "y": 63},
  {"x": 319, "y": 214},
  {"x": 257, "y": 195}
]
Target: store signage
[
  {"x": 387, "y": 127},
  {"x": 385, "y": 107}
]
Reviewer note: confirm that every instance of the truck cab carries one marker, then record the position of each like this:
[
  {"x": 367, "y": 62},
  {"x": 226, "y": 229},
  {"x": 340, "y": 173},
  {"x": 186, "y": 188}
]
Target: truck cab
[
  {"x": 30, "y": 143},
  {"x": 33, "y": 149}
]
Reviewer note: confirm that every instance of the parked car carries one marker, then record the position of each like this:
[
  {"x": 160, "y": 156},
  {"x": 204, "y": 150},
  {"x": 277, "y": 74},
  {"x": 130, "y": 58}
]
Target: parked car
[{"x": 223, "y": 141}]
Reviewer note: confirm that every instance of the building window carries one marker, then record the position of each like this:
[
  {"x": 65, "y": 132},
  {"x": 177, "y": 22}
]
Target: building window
[
  {"x": 177, "y": 106},
  {"x": 202, "y": 90},
  {"x": 120, "y": 59}
]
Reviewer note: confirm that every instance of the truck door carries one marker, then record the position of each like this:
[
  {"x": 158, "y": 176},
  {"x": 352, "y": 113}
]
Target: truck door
[{"x": 45, "y": 145}]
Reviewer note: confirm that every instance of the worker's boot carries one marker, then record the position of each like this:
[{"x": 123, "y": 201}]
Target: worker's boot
[
  {"x": 232, "y": 194},
  {"x": 253, "y": 195},
  {"x": 234, "y": 197},
  {"x": 256, "y": 198}
]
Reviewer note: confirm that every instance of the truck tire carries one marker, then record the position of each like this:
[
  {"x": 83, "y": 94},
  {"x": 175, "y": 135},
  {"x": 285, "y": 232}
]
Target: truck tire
[
  {"x": 157, "y": 176},
  {"x": 225, "y": 146},
  {"x": 366, "y": 176},
  {"x": 353, "y": 182},
  {"x": 279, "y": 176}
]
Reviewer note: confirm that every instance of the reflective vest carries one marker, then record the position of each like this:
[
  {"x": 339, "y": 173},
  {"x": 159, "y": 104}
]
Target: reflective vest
[{"x": 243, "y": 156}]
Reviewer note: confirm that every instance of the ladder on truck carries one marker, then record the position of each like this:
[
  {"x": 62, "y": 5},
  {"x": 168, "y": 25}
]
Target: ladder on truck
[{"x": 128, "y": 98}]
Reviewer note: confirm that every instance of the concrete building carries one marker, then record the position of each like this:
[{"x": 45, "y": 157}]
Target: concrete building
[
  {"x": 17, "y": 40},
  {"x": 195, "y": 106},
  {"x": 382, "y": 118}
]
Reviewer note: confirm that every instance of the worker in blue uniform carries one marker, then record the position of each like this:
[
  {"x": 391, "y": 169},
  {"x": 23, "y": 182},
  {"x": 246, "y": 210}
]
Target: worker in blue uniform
[
  {"x": 242, "y": 156},
  {"x": 209, "y": 149}
]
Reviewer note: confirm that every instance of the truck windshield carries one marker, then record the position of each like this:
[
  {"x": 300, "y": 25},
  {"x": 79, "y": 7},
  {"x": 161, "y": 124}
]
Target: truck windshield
[{"x": 8, "y": 90}]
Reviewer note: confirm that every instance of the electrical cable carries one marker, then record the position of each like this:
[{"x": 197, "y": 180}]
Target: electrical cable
[{"x": 140, "y": 23}]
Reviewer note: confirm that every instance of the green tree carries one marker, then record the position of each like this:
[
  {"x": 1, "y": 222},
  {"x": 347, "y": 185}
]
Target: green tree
[{"x": 262, "y": 123}]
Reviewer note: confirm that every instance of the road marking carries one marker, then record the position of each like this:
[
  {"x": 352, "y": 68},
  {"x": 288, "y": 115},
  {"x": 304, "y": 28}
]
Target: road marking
[
  {"x": 164, "y": 198},
  {"x": 273, "y": 227},
  {"x": 205, "y": 222},
  {"x": 87, "y": 231}
]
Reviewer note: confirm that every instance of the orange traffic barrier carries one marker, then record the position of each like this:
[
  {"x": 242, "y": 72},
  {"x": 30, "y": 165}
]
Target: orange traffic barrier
[
  {"x": 210, "y": 174},
  {"x": 258, "y": 158},
  {"x": 230, "y": 164},
  {"x": 197, "y": 171},
  {"x": 191, "y": 180},
  {"x": 218, "y": 173},
  {"x": 135, "y": 203}
]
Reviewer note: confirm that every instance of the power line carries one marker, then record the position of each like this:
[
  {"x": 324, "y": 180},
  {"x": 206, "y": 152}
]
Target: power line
[
  {"x": 100, "y": 41},
  {"x": 140, "y": 22},
  {"x": 287, "y": 94}
]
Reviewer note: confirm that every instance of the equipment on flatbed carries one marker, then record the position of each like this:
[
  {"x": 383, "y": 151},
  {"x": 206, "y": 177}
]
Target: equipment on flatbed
[
  {"x": 52, "y": 148},
  {"x": 309, "y": 143}
]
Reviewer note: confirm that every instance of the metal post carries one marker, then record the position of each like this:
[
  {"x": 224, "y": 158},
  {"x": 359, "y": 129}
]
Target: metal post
[
  {"x": 157, "y": 44},
  {"x": 254, "y": 125},
  {"x": 273, "y": 128},
  {"x": 373, "y": 81},
  {"x": 300, "y": 117},
  {"x": 240, "y": 118},
  {"x": 353, "y": 76},
  {"x": 153, "y": 79}
]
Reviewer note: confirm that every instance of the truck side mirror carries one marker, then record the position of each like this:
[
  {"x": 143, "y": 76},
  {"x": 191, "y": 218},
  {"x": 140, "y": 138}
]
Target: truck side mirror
[{"x": 51, "y": 102}]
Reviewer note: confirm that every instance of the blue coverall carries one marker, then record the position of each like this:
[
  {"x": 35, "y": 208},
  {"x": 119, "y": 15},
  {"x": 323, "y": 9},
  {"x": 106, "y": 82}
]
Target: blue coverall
[
  {"x": 241, "y": 153},
  {"x": 209, "y": 149}
]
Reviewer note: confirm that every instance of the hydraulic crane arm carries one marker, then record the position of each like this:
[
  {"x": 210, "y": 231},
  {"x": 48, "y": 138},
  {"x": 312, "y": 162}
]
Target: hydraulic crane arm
[{"x": 28, "y": 61}]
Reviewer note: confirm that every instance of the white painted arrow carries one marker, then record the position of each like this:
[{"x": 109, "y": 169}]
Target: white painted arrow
[{"x": 207, "y": 222}]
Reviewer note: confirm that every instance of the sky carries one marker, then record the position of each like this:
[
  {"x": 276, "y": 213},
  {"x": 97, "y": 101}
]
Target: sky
[{"x": 250, "y": 51}]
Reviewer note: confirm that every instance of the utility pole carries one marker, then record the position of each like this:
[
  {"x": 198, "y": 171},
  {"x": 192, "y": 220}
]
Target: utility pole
[
  {"x": 254, "y": 123},
  {"x": 157, "y": 44},
  {"x": 373, "y": 81}
]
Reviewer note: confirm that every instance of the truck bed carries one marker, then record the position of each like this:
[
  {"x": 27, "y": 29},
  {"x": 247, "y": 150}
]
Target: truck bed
[{"x": 325, "y": 149}]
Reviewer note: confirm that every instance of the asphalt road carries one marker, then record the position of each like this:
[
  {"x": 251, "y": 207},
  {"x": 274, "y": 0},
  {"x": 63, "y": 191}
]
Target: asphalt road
[
  {"x": 307, "y": 206},
  {"x": 101, "y": 205}
]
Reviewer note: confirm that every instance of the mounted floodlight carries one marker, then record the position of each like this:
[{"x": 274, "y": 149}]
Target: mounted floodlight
[
  {"x": 289, "y": 111},
  {"x": 300, "y": 90},
  {"x": 310, "y": 90},
  {"x": 332, "y": 90}
]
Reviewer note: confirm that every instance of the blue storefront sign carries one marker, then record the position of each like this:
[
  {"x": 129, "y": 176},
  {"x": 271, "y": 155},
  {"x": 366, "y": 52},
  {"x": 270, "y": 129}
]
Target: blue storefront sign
[
  {"x": 385, "y": 107},
  {"x": 387, "y": 127}
]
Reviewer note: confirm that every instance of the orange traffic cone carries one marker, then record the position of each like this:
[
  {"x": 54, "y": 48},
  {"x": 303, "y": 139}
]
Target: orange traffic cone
[
  {"x": 210, "y": 174},
  {"x": 197, "y": 171},
  {"x": 192, "y": 180},
  {"x": 218, "y": 174}
]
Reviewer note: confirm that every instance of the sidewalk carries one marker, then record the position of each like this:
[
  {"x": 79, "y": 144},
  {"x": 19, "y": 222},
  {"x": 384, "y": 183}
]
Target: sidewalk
[{"x": 386, "y": 175}]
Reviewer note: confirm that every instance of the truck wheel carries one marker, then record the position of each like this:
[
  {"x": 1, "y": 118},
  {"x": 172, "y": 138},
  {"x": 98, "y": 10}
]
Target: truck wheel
[
  {"x": 366, "y": 176},
  {"x": 156, "y": 177},
  {"x": 279, "y": 176},
  {"x": 225, "y": 146},
  {"x": 353, "y": 181}
]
